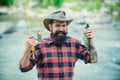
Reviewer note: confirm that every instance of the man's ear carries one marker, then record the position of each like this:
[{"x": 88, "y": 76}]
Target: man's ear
[{"x": 50, "y": 27}]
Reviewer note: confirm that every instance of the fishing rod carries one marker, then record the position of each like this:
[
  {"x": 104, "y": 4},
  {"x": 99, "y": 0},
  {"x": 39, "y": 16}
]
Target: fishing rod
[{"x": 39, "y": 33}]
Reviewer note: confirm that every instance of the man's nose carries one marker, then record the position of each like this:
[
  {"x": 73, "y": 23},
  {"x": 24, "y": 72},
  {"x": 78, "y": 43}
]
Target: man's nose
[{"x": 61, "y": 28}]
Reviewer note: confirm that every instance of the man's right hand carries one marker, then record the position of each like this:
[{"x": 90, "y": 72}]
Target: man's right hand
[{"x": 30, "y": 42}]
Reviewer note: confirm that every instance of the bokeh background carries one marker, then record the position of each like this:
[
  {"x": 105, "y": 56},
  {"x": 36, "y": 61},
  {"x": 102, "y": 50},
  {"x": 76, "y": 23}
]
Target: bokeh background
[{"x": 102, "y": 15}]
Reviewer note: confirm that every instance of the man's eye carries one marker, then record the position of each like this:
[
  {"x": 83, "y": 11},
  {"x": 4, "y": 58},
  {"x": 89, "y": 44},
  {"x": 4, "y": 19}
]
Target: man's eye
[
  {"x": 64, "y": 25},
  {"x": 58, "y": 25}
]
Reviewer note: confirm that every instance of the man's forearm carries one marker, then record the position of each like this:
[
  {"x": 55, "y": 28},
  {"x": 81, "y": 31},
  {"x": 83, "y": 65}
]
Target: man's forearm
[
  {"x": 88, "y": 40},
  {"x": 25, "y": 58},
  {"x": 93, "y": 53}
]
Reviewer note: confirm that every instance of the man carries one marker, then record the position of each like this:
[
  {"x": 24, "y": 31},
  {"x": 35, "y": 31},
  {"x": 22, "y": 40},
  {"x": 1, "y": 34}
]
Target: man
[{"x": 56, "y": 55}]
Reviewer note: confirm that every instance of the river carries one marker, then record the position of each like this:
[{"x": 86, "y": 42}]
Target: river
[{"x": 107, "y": 42}]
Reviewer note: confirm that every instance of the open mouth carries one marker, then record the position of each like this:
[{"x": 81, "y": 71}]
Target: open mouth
[{"x": 60, "y": 34}]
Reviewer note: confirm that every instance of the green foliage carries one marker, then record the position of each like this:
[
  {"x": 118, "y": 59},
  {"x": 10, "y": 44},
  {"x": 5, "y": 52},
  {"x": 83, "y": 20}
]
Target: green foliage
[
  {"x": 91, "y": 5},
  {"x": 111, "y": 8},
  {"x": 98, "y": 5},
  {"x": 80, "y": 4},
  {"x": 118, "y": 4},
  {"x": 46, "y": 3},
  {"x": 6, "y": 3},
  {"x": 69, "y": 0},
  {"x": 58, "y": 3}
]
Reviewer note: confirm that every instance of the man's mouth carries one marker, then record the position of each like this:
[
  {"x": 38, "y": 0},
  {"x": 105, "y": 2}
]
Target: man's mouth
[{"x": 60, "y": 34}]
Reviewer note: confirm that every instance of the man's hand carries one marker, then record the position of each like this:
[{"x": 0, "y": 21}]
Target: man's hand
[
  {"x": 30, "y": 42},
  {"x": 88, "y": 33}
]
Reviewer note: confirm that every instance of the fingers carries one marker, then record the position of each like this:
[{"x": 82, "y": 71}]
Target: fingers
[
  {"x": 89, "y": 33},
  {"x": 31, "y": 36},
  {"x": 30, "y": 41}
]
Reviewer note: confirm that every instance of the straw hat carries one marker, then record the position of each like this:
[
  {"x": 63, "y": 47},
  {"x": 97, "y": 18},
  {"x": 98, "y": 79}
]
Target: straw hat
[{"x": 58, "y": 15}]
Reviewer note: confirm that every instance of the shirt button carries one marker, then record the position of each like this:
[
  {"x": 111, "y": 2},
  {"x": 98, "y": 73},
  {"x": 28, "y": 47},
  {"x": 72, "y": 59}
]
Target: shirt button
[
  {"x": 60, "y": 55},
  {"x": 60, "y": 64}
]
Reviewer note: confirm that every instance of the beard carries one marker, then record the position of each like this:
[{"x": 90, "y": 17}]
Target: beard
[{"x": 59, "y": 40}]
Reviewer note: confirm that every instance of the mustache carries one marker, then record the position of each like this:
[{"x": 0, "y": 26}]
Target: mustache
[
  {"x": 59, "y": 40},
  {"x": 64, "y": 33}
]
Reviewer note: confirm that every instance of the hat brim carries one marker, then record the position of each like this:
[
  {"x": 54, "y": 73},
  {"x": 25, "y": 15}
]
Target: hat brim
[{"x": 47, "y": 20}]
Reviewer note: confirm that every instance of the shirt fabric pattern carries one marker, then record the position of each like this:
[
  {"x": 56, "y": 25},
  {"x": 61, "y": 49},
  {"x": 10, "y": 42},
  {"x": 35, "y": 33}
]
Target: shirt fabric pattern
[{"x": 57, "y": 63}]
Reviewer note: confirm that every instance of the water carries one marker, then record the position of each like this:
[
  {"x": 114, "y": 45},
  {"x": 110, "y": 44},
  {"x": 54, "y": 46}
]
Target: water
[{"x": 107, "y": 42}]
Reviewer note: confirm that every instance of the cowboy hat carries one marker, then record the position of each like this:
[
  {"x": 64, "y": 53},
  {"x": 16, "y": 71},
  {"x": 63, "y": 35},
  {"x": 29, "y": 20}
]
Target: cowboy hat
[{"x": 58, "y": 15}]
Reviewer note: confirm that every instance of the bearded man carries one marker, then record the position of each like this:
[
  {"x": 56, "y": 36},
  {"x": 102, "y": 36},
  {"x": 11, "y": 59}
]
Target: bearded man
[{"x": 56, "y": 55}]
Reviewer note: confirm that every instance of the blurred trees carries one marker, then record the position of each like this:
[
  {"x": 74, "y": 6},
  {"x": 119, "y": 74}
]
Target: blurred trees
[
  {"x": 80, "y": 4},
  {"x": 114, "y": 7},
  {"x": 92, "y": 4},
  {"x": 6, "y": 2},
  {"x": 46, "y": 3}
]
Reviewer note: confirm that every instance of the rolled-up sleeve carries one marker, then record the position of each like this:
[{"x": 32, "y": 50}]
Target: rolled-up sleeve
[
  {"x": 33, "y": 60},
  {"x": 29, "y": 67},
  {"x": 83, "y": 53}
]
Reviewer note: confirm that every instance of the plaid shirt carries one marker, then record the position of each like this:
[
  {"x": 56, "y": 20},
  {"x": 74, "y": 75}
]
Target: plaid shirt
[{"x": 54, "y": 63}]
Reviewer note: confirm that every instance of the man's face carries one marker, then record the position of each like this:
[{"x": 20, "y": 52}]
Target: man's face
[
  {"x": 58, "y": 31},
  {"x": 58, "y": 26}
]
